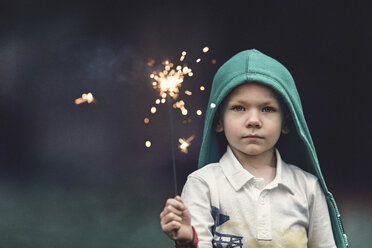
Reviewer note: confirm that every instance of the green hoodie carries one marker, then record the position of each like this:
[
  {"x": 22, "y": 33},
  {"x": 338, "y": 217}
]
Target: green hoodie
[{"x": 296, "y": 147}]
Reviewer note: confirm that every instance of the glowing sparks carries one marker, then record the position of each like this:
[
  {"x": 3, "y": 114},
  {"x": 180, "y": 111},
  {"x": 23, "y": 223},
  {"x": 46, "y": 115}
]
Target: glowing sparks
[
  {"x": 185, "y": 143},
  {"x": 170, "y": 79},
  {"x": 86, "y": 97},
  {"x": 151, "y": 62},
  {"x": 186, "y": 121},
  {"x": 153, "y": 110},
  {"x": 184, "y": 111},
  {"x": 183, "y": 56},
  {"x": 181, "y": 105},
  {"x": 187, "y": 92}
]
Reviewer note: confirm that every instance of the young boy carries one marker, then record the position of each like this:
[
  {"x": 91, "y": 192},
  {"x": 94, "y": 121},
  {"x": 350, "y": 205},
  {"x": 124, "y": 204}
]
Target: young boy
[{"x": 244, "y": 194}]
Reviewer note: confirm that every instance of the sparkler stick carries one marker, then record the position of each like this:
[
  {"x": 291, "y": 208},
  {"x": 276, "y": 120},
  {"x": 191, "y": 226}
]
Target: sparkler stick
[{"x": 170, "y": 115}]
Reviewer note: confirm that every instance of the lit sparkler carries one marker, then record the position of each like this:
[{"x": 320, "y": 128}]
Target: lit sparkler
[{"x": 168, "y": 82}]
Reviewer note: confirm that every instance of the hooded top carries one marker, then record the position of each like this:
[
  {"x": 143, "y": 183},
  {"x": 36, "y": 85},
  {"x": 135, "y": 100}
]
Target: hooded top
[{"x": 296, "y": 147}]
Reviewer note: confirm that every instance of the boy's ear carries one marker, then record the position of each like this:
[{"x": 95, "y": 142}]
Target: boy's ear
[
  {"x": 286, "y": 124},
  {"x": 219, "y": 127},
  {"x": 285, "y": 129}
]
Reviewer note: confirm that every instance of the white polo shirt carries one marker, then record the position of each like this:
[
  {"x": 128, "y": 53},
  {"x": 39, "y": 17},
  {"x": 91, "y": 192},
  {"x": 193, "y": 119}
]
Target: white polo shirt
[{"x": 231, "y": 208}]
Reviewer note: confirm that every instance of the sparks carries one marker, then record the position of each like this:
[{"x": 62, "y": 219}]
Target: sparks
[
  {"x": 151, "y": 62},
  {"x": 181, "y": 105},
  {"x": 187, "y": 92},
  {"x": 185, "y": 143},
  {"x": 170, "y": 79},
  {"x": 85, "y": 97},
  {"x": 153, "y": 110}
]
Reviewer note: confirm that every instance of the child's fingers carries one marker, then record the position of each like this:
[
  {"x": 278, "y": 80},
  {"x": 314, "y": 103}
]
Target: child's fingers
[
  {"x": 171, "y": 227},
  {"x": 171, "y": 209},
  {"x": 170, "y": 217},
  {"x": 179, "y": 199},
  {"x": 175, "y": 204},
  {"x": 170, "y": 214}
]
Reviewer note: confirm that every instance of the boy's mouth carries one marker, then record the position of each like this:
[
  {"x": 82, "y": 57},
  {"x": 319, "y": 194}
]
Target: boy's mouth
[{"x": 253, "y": 136}]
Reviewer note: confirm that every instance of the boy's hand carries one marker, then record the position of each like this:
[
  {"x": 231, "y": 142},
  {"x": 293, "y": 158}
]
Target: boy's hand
[{"x": 175, "y": 221}]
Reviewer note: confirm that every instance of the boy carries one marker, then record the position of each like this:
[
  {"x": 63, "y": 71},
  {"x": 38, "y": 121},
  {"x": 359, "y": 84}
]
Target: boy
[{"x": 244, "y": 194}]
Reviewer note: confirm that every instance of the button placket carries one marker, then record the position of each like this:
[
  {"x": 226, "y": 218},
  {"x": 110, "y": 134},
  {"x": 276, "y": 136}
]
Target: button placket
[{"x": 264, "y": 217}]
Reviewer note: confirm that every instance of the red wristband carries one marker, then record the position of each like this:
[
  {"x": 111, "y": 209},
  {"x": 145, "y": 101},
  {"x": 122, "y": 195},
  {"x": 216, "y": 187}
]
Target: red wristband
[{"x": 192, "y": 244}]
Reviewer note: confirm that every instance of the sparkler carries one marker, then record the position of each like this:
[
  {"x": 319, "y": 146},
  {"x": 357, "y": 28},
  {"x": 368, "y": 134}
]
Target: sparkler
[{"x": 168, "y": 82}]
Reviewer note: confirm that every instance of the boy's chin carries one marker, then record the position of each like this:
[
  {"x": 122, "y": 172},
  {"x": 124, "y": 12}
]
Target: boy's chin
[{"x": 255, "y": 150}]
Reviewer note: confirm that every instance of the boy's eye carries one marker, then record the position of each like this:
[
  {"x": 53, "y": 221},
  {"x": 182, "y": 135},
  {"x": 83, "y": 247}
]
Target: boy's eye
[
  {"x": 268, "y": 109},
  {"x": 238, "y": 108}
]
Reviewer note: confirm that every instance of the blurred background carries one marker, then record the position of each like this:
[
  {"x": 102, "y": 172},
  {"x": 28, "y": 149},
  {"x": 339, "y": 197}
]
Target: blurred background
[{"x": 81, "y": 175}]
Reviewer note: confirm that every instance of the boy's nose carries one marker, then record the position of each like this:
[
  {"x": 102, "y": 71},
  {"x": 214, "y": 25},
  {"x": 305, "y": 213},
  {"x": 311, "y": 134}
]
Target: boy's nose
[{"x": 253, "y": 120}]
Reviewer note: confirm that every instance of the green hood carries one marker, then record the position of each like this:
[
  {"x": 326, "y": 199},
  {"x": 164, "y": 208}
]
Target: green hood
[{"x": 296, "y": 147}]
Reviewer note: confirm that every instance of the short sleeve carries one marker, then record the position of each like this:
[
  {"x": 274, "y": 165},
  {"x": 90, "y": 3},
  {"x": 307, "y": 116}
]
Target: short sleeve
[
  {"x": 320, "y": 233},
  {"x": 196, "y": 196}
]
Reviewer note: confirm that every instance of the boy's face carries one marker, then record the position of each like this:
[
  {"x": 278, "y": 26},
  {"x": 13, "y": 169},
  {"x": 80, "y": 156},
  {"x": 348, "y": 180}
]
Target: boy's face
[{"x": 252, "y": 120}]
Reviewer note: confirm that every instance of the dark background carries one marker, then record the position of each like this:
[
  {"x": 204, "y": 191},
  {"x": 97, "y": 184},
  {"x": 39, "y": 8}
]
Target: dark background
[{"x": 81, "y": 176}]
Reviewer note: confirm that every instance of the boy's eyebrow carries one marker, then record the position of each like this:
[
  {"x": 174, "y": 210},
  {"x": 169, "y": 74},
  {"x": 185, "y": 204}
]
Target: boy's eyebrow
[
  {"x": 273, "y": 101},
  {"x": 265, "y": 102}
]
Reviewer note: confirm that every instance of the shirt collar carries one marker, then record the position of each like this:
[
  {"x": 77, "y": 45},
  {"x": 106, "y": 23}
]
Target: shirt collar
[{"x": 238, "y": 176}]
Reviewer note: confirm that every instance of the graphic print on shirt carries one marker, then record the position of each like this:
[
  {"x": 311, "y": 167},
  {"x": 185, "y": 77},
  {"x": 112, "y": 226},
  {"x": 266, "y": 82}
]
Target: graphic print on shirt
[{"x": 223, "y": 240}]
